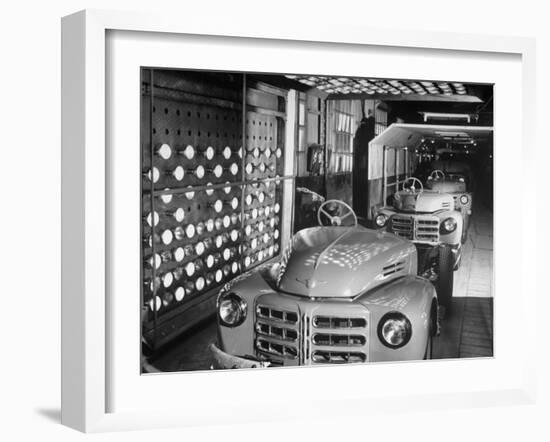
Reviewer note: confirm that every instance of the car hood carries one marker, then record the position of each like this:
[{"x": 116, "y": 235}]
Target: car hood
[
  {"x": 444, "y": 186},
  {"x": 343, "y": 262},
  {"x": 426, "y": 201}
]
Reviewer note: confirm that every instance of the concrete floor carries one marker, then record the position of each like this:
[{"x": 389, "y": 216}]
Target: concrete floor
[{"x": 467, "y": 333}]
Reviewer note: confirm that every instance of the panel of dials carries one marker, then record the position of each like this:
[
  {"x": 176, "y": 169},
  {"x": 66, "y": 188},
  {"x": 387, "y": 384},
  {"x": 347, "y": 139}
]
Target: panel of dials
[{"x": 212, "y": 214}]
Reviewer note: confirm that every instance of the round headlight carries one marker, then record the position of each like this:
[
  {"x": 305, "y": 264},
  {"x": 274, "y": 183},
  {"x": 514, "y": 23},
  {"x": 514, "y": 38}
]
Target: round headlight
[
  {"x": 464, "y": 199},
  {"x": 394, "y": 330},
  {"x": 231, "y": 310},
  {"x": 448, "y": 226},
  {"x": 381, "y": 220}
]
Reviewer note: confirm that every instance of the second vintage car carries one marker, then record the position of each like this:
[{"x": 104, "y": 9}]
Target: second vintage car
[
  {"x": 341, "y": 293},
  {"x": 429, "y": 219}
]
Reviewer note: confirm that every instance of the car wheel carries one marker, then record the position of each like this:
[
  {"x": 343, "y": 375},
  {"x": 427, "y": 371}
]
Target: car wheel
[
  {"x": 445, "y": 278},
  {"x": 429, "y": 345},
  {"x": 464, "y": 235}
]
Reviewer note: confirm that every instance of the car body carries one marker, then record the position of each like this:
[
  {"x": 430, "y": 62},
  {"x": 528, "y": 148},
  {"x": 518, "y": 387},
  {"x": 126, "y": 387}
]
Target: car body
[
  {"x": 422, "y": 216},
  {"x": 455, "y": 185},
  {"x": 327, "y": 301}
]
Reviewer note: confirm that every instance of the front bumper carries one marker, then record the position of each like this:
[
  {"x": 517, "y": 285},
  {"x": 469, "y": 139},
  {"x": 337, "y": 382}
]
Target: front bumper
[{"x": 225, "y": 360}]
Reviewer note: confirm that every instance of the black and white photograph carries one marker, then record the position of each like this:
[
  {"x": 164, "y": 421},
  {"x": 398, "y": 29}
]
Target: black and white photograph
[{"x": 293, "y": 219}]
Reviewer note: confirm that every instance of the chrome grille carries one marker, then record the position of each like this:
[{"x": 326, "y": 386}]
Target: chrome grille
[
  {"x": 421, "y": 228},
  {"x": 276, "y": 332},
  {"x": 339, "y": 339},
  {"x": 402, "y": 226}
]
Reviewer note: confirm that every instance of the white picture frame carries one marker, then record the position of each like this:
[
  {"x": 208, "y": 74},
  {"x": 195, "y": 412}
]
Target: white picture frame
[{"x": 86, "y": 317}]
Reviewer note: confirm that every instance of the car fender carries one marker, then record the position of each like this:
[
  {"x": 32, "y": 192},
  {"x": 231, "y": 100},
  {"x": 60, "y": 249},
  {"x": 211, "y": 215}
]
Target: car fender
[{"x": 414, "y": 297}]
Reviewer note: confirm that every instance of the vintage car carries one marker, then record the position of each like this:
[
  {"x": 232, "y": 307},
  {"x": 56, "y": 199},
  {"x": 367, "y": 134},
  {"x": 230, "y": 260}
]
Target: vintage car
[
  {"x": 341, "y": 293},
  {"x": 429, "y": 219},
  {"x": 455, "y": 185}
]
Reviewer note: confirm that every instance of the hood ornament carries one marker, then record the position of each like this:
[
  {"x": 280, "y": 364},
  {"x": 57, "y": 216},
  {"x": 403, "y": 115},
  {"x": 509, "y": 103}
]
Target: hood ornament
[{"x": 310, "y": 283}]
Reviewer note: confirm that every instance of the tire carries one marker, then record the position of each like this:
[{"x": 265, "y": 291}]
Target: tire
[
  {"x": 428, "y": 353},
  {"x": 445, "y": 278},
  {"x": 429, "y": 347}
]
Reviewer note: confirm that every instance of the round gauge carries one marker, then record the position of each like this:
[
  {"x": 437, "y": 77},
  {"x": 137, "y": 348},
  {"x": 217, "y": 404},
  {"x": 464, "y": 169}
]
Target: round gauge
[
  {"x": 189, "y": 152},
  {"x": 179, "y": 214},
  {"x": 247, "y": 261},
  {"x": 155, "y": 305},
  {"x": 218, "y": 206},
  {"x": 234, "y": 169},
  {"x": 168, "y": 279},
  {"x": 272, "y": 222},
  {"x": 227, "y": 152},
  {"x": 278, "y": 153},
  {"x": 227, "y": 189},
  {"x": 270, "y": 250},
  {"x": 190, "y": 195},
  {"x": 179, "y": 233},
  {"x": 190, "y": 269},
  {"x": 234, "y": 235},
  {"x": 254, "y": 243},
  {"x": 249, "y": 168},
  {"x": 156, "y": 175},
  {"x": 209, "y": 153},
  {"x": 199, "y": 283},
  {"x": 210, "y": 225},
  {"x": 248, "y": 200},
  {"x": 226, "y": 254},
  {"x": 226, "y": 221},
  {"x": 277, "y": 207},
  {"x": 276, "y": 234},
  {"x": 179, "y": 254},
  {"x": 267, "y": 210},
  {"x": 199, "y": 248},
  {"x": 268, "y": 152},
  {"x": 218, "y": 171},
  {"x": 167, "y": 237},
  {"x": 179, "y": 293},
  {"x": 219, "y": 241},
  {"x": 165, "y": 151},
  {"x": 219, "y": 275},
  {"x": 190, "y": 231},
  {"x": 199, "y": 171},
  {"x": 266, "y": 238},
  {"x": 156, "y": 262},
  {"x": 234, "y": 267},
  {"x": 208, "y": 191},
  {"x": 234, "y": 203},
  {"x": 261, "y": 226},
  {"x": 209, "y": 261},
  {"x": 155, "y": 216},
  {"x": 179, "y": 173},
  {"x": 234, "y": 218},
  {"x": 261, "y": 197},
  {"x": 248, "y": 230},
  {"x": 166, "y": 198},
  {"x": 260, "y": 255},
  {"x": 218, "y": 223},
  {"x": 254, "y": 213},
  {"x": 262, "y": 167}
]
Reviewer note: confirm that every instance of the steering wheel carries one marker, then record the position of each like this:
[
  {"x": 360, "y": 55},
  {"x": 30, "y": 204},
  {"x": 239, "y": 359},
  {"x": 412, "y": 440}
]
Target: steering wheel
[
  {"x": 412, "y": 187},
  {"x": 336, "y": 220},
  {"x": 436, "y": 175}
]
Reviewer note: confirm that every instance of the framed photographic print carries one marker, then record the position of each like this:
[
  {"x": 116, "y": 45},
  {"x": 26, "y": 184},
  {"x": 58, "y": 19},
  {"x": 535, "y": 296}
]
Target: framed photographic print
[{"x": 254, "y": 212}]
